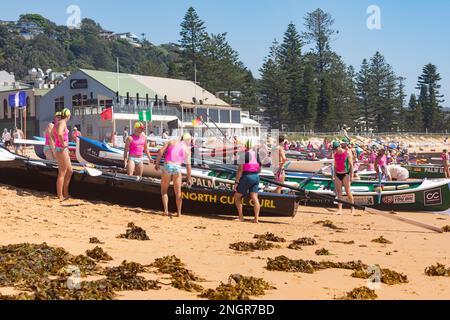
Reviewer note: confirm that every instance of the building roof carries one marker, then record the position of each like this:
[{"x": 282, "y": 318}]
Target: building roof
[
  {"x": 11, "y": 88},
  {"x": 41, "y": 92},
  {"x": 180, "y": 91},
  {"x": 127, "y": 83},
  {"x": 177, "y": 91}
]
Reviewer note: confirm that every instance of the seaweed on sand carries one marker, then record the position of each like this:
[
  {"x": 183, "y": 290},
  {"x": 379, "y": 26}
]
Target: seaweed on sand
[
  {"x": 95, "y": 240},
  {"x": 250, "y": 246},
  {"x": 270, "y": 237},
  {"x": 323, "y": 252},
  {"x": 362, "y": 293},
  {"x": 328, "y": 224},
  {"x": 238, "y": 288},
  {"x": 302, "y": 242},
  {"x": 98, "y": 254},
  {"x": 182, "y": 278},
  {"x": 382, "y": 240},
  {"x": 439, "y": 270},
  {"x": 134, "y": 233},
  {"x": 124, "y": 277},
  {"x": 344, "y": 242},
  {"x": 446, "y": 229},
  {"x": 388, "y": 276}
]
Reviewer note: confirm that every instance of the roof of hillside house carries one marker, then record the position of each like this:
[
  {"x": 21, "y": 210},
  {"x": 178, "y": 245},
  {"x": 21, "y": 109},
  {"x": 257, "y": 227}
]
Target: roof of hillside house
[{"x": 177, "y": 91}]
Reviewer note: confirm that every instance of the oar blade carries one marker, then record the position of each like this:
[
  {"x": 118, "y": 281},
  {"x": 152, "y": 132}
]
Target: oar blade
[
  {"x": 93, "y": 172},
  {"x": 408, "y": 221}
]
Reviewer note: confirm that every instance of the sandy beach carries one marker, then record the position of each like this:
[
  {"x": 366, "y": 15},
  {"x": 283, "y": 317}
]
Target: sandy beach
[{"x": 202, "y": 243}]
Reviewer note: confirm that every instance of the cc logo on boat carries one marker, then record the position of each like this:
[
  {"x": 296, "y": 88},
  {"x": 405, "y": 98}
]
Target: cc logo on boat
[{"x": 433, "y": 197}]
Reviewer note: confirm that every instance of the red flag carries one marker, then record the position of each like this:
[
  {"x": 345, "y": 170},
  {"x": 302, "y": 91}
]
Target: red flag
[{"x": 107, "y": 114}]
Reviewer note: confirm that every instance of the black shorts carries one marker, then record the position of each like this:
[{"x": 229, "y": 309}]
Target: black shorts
[{"x": 341, "y": 176}]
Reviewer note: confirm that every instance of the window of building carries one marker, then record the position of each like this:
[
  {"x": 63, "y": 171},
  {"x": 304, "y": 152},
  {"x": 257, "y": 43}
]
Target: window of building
[
  {"x": 202, "y": 112},
  {"x": 235, "y": 116},
  {"x": 224, "y": 116},
  {"x": 59, "y": 104},
  {"x": 214, "y": 115},
  {"x": 5, "y": 109}
]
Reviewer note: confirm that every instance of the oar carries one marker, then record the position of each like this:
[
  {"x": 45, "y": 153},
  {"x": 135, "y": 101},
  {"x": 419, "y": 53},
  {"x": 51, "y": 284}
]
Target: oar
[
  {"x": 366, "y": 209},
  {"x": 379, "y": 186}
]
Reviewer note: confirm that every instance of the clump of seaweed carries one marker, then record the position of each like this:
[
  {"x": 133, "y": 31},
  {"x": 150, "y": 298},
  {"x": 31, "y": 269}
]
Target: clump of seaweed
[
  {"x": 362, "y": 293},
  {"x": 269, "y": 237},
  {"x": 98, "y": 254},
  {"x": 302, "y": 242},
  {"x": 23, "y": 265},
  {"x": 323, "y": 252},
  {"x": 29, "y": 267},
  {"x": 250, "y": 246},
  {"x": 344, "y": 242},
  {"x": 382, "y": 240},
  {"x": 95, "y": 240},
  {"x": 439, "y": 270},
  {"x": 283, "y": 263},
  {"x": 388, "y": 276},
  {"x": 238, "y": 288},
  {"x": 134, "y": 233},
  {"x": 446, "y": 229},
  {"x": 124, "y": 277},
  {"x": 328, "y": 224},
  {"x": 182, "y": 278}
]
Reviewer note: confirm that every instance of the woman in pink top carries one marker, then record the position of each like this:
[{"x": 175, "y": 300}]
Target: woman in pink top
[
  {"x": 247, "y": 181},
  {"x": 61, "y": 137},
  {"x": 381, "y": 164},
  {"x": 343, "y": 172},
  {"x": 176, "y": 153},
  {"x": 135, "y": 148}
]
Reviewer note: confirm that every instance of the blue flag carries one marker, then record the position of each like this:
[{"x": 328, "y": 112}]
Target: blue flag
[{"x": 18, "y": 99}]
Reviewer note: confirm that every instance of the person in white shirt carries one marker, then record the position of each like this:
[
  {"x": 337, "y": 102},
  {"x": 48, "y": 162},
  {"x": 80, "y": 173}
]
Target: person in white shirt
[
  {"x": 397, "y": 173},
  {"x": 6, "y": 137}
]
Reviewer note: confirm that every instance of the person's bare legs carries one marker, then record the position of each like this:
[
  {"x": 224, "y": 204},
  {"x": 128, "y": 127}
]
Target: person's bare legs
[
  {"x": 238, "y": 203},
  {"x": 338, "y": 188},
  {"x": 61, "y": 174},
  {"x": 177, "y": 181},
  {"x": 256, "y": 205},
  {"x": 139, "y": 169},
  {"x": 348, "y": 191},
  {"x": 165, "y": 182},
  {"x": 68, "y": 175},
  {"x": 130, "y": 167}
]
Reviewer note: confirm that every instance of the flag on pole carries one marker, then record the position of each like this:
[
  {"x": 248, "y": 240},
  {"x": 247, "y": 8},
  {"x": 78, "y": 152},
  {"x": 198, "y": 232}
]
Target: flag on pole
[
  {"x": 17, "y": 100},
  {"x": 107, "y": 114},
  {"x": 145, "y": 116},
  {"x": 197, "y": 122}
]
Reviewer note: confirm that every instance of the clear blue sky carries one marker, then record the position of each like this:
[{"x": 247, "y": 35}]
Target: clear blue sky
[{"x": 413, "y": 32}]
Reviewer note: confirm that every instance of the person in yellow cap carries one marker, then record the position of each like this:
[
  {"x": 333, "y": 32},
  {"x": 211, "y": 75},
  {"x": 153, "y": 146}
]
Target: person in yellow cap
[
  {"x": 61, "y": 136},
  {"x": 176, "y": 153},
  {"x": 135, "y": 148},
  {"x": 49, "y": 147}
]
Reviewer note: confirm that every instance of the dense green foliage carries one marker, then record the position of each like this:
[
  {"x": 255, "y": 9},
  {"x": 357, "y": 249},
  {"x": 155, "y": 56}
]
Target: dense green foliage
[{"x": 316, "y": 90}]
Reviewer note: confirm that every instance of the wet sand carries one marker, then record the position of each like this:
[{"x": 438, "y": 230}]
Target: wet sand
[{"x": 33, "y": 217}]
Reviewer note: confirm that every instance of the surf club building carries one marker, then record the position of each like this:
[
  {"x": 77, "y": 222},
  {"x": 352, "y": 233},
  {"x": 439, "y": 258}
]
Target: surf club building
[{"x": 174, "y": 104}]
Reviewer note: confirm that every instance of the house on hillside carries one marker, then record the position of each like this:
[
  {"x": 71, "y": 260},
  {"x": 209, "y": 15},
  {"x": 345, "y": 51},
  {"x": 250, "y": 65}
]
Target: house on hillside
[{"x": 29, "y": 30}]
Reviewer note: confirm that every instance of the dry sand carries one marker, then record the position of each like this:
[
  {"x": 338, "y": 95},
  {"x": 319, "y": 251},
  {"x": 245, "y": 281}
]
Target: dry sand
[{"x": 35, "y": 218}]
